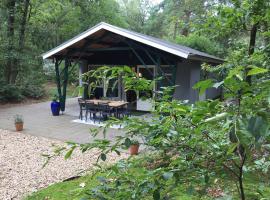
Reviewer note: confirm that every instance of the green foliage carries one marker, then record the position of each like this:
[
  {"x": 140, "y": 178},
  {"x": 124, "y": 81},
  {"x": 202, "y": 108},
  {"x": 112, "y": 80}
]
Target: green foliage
[
  {"x": 200, "y": 43},
  {"x": 32, "y": 88},
  {"x": 109, "y": 75},
  {"x": 18, "y": 119},
  {"x": 10, "y": 93},
  {"x": 199, "y": 143}
]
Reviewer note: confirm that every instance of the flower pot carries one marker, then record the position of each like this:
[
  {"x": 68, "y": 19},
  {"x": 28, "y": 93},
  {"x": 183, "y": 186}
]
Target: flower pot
[
  {"x": 55, "y": 108},
  {"x": 134, "y": 149},
  {"x": 19, "y": 126}
]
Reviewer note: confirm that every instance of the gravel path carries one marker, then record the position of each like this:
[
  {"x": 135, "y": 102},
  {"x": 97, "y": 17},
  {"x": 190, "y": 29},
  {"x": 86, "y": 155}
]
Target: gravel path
[{"x": 21, "y": 164}]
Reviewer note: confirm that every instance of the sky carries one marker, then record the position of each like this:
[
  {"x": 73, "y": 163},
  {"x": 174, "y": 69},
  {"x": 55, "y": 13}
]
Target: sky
[{"x": 156, "y": 1}]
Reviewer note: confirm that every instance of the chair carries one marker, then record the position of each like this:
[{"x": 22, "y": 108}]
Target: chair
[
  {"x": 105, "y": 110},
  {"x": 82, "y": 105},
  {"x": 91, "y": 109},
  {"x": 124, "y": 111}
]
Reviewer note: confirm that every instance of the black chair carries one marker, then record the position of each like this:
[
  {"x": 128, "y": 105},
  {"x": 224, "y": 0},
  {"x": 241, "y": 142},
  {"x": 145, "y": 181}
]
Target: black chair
[
  {"x": 82, "y": 105},
  {"x": 105, "y": 110},
  {"x": 124, "y": 111},
  {"x": 92, "y": 110}
]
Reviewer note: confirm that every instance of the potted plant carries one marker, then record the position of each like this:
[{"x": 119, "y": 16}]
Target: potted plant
[
  {"x": 134, "y": 147},
  {"x": 18, "y": 119},
  {"x": 55, "y": 106}
]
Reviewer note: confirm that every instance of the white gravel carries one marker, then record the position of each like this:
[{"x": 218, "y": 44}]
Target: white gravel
[{"x": 21, "y": 162}]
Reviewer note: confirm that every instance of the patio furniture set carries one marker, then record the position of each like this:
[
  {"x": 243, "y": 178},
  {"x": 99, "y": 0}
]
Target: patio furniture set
[{"x": 97, "y": 109}]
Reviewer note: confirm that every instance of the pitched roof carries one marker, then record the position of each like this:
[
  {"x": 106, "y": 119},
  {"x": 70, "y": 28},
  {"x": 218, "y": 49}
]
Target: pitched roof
[{"x": 175, "y": 49}]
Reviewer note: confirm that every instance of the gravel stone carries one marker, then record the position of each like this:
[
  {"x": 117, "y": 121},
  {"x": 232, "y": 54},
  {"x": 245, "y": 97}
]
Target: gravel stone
[{"x": 21, "y": 162}]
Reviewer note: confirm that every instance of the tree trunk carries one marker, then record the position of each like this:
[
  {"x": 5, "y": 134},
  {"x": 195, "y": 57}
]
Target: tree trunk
[
  {"x": 10, "y": 68},
  {"x": 252, "y": 43},
  {"x": 185, "y": 30},
  {"x": 175, "y": 29},
  {"x": 241, "y": 186},
  {"x": 23, "y": 23}
]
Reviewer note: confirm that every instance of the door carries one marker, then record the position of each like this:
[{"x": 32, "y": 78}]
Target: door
[{"x": 145, "y": 100}]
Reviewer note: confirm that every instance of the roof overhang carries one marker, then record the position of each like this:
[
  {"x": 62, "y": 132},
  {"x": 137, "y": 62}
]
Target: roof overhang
[{"x": 147, "y": 40}]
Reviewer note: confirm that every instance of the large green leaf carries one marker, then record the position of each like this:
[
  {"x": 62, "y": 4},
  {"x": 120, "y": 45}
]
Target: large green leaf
[
  {"x": 217, "y": 117},
  {"x": 203, "y": 85},
  {"x": 70, "y": 151},
  {"x": 258, "y": 126},
  {"x": 257, "y": 70},
  {"x": 167, "y": 175}
]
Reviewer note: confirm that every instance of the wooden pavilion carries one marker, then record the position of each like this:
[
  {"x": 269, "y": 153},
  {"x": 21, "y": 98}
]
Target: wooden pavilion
[{"x": 105, "y": 44}]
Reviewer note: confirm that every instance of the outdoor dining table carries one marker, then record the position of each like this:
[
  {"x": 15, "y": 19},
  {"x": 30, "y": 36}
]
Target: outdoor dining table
[
  {"x": 115, "y": 105},
  {"x": 111, "y": 103}
]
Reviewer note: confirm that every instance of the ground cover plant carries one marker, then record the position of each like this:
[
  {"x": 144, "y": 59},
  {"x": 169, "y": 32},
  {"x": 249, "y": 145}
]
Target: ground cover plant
[
  {"x": 203, "y": 146},
  {"x": 218, "y": 145}
]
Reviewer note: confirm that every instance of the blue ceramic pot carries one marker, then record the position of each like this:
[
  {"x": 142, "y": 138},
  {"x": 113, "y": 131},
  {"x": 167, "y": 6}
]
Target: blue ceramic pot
[{"x": 55, "y": 108}]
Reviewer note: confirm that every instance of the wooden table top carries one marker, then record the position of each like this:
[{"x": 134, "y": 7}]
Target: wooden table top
[{"x": 111, "y": 103}]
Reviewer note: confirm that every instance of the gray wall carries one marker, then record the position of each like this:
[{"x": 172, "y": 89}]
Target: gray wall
[
  {"x": 187, "y": 74},
  {"x": 212, "y": 93}
]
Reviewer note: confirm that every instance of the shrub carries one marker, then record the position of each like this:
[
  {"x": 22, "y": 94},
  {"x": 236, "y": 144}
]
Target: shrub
[
  {"x": 200, "y": 43},
  {"x": 33, "y": 91},
  {"x": 32, "y": 85},
  {"x": 11, "y": 93}
]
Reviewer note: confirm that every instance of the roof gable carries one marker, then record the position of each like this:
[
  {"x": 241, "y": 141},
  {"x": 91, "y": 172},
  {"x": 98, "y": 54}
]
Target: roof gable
[{"x": 178, "y": 50}]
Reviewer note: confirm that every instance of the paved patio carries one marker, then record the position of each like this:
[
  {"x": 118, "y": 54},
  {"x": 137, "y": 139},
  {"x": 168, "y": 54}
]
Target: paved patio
[{"x": 39, "y": 121}]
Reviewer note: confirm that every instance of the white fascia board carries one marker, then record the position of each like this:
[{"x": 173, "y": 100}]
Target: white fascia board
[
  {"x": 76, "y": 39},
  {"x": 119, "y": 32}
]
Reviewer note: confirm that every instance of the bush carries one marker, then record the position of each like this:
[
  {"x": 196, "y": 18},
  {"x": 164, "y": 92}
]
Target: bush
[
  {"x": 33, "y": 91},
  {"x": 200, "y": 43},
  {"x": 31, "y": 85},
  {"x": 10, "y": 93}
]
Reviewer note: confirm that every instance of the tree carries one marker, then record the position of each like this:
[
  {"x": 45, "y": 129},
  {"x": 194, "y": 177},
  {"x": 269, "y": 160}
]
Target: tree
[
  {"x": 136, "y": 13},
  {"x": 241, "y": 19}
]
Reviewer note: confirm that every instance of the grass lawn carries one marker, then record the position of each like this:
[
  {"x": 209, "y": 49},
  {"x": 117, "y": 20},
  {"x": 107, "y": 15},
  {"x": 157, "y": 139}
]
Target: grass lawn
[{"x": 71, "y": 190}]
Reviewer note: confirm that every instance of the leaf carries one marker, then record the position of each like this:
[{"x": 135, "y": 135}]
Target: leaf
[
  {"x": 103, "y": 156},
  {"x": 232, "y": 148},
  {"x": 190, "y": 190},
  {"x": 167, "y": 175},
  {"x": 218, "y": 84},
  {"x": 237, "y": 71},
  {"x": 127, "y": 142},
  {"x": 69, "y": 153},
  {"x": 203, "y": 85},
  {"x": 216, "y": 117},
  {"x": 257, "y": 70},
  {"x": 258, "y": 127},
  {"x": 117, "y": 152},
  {"x": 156, "y": 194},
  {"x": 101, "y": 179}
]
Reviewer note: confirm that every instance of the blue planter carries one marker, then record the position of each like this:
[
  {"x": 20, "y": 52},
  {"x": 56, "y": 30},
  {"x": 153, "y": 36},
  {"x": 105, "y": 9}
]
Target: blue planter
[{"x": 55, "y": 108}]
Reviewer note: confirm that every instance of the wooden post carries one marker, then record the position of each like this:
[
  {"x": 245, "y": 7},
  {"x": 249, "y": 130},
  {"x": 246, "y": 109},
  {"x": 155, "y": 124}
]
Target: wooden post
[
  {"x": 63, "y": 98},
  {"x": 57, "y": 76}
]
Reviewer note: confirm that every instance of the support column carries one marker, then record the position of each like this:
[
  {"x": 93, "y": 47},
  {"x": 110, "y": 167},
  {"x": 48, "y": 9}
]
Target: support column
[
  {"x": 65, "y": 82},
  {"x": 57, "y": 77}
]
